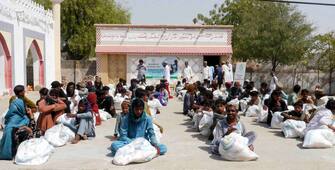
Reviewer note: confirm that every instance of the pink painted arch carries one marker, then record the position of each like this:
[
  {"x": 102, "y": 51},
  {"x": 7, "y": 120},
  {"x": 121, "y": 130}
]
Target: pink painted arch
[
  {"x": 41, "y": 62},
  {"x": 8, "y": 64}
]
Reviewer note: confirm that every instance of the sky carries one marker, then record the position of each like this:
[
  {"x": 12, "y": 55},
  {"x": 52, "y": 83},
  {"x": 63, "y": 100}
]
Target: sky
[{"x": 183, "y": 12}]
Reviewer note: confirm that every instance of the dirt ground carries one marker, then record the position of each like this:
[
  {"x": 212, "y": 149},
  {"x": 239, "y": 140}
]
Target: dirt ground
[{"x": 187, "y": 149}]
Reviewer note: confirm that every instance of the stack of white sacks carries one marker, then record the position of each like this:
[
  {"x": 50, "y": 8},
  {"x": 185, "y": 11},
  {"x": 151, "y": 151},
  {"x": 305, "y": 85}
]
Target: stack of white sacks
[{"x": 37, "y": 151}]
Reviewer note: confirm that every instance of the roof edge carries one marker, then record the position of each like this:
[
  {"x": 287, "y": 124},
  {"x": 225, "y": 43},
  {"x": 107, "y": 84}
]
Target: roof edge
[{"x": 163, "y": 26}]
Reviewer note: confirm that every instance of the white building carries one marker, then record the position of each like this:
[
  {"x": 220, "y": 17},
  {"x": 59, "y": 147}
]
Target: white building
[{"x": 27, "y": 51}]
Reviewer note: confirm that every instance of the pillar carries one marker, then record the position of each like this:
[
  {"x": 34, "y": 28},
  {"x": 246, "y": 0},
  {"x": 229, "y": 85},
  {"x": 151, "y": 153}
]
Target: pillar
[
  {"x": 102, "y": 67},
  {"x": 56, "y": 16}
]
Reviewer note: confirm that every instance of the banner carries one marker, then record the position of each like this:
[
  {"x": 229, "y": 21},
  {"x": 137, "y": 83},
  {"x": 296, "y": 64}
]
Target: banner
[
  {"x": 155, "y": 69},
  {"x": 240, "y": 72}
]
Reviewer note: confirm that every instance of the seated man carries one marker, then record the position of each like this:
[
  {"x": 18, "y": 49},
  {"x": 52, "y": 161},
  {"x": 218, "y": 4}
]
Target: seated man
[
  {"x": 134, "y": 125},
  {"x": 105, "y": 101},
  {"x": 323, "y": 118},
  {"x": 295, "y": 114},
  {"x": 230, "y": 124}
]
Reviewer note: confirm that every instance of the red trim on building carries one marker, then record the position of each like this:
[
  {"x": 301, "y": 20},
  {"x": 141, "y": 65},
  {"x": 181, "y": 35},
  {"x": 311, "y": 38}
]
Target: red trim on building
[
  {"x": 41, "y": 64},
  {"x": 159, "y": 50},
  {"x": 8, "y": 64}
]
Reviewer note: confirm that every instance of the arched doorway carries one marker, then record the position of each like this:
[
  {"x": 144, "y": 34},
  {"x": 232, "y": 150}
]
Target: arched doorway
[
  {"x": 5, "y": 67},
  {"x": 34, "y": 66}
]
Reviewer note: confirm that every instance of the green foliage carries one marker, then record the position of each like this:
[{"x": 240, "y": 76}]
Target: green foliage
[
  {"x": 263, "y": 31},
  {"x": 77, "y": 24},
  {"x": 46, "y": 3},
  {"x": 324, "y": 49}
]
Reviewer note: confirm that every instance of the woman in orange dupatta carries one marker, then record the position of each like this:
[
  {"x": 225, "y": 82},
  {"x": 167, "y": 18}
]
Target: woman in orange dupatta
[{"x": 50, "y": 109}]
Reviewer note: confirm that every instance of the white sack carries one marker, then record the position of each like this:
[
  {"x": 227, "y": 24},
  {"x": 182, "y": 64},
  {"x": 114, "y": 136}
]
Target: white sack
[
  {"x": 33, "y": 152},
  {"x": 196, "y": 120},
  {"x": 66, "y": 120},
  {"x": 277, "y": 120},
  {"x": 293, "y": 128},
  {"x": 319, "y": 138},
  {"x": 59, "y": 135},
  {"x": 262, "y": 116},
  {"x": 253, "y": 111},
  {"x": 234, "y": 147},
  {"x": 118, "y": 99},
  {"x": 104, "y": 115},
  {"x": 205, "y": 123},
  {"x": 2, "y": 118},
  {"x": 139, "y": 150},
  {"x": 158, "y": 133}
]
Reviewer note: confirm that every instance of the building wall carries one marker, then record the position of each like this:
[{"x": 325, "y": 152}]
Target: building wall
[
  {"x": 75, "y": 71},
  {"x": 25, "y": 21}
]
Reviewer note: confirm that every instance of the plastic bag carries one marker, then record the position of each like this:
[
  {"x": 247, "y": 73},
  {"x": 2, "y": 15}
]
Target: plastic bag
[
  {"x": 118, "y": 99},
  {"x": 66, "y": 120},
  {"x": 33, "y": 152},
  {"x": 196, "y": 120},
  {"x": 262, "y": 116},
  {"x": 234, "y": 147},
  {"x": 293, "y": 128},
  {"x": 277, "y": 120},
  {"x": 59, "y": 135},
  {"x": 139, "y": 150},
  {"x": 252, "y": 111},
  {"x": 104, "y": 115},
  {"x": 243, "y": 105},
  {"x": 158, "y": 133},
  {"x": 2, "y": 118},
  {"x": 319, "y": 138},
  {"x": 205, "y": 123}
]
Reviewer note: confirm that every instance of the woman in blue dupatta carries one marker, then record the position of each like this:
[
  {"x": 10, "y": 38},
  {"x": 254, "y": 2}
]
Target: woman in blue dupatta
[
  {"x": 16, "y": 117},
  {"x": 134, "y": 125}
]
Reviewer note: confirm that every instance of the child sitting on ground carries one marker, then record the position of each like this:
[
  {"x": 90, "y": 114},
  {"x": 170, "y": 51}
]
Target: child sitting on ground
[
  {"x": 295, "y": 114},
  {"x": 219, "y": 114},
  {"x": 125, "y": 111},
  {"x": 85, "y": 125}
]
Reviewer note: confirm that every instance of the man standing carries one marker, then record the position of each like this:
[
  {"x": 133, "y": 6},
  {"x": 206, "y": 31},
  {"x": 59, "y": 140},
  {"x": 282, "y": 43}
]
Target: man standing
[
  {"x": 219, "y": 75},
  {"x": 167, "y": 70},
  {"x": 206, "y": 71},
  {"x": 228, "y": 72},
  {"x": 187, "y": 74},
  {"x": 274, "y": 81},
  {"x": 141, "y": 69}
]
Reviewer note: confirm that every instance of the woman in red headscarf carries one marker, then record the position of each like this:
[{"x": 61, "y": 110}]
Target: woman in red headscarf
[{"x": 92, "y": 98}]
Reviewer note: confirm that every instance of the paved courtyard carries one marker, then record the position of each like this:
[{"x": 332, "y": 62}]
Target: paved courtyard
[{"x": 186, "y": 149}]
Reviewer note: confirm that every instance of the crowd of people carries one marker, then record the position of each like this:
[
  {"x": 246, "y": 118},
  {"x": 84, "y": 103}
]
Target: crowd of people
[
  {"x": 81, "y": 107},
  {"x": 268, "y": 103},
  {"x": 214, "y": 106}
]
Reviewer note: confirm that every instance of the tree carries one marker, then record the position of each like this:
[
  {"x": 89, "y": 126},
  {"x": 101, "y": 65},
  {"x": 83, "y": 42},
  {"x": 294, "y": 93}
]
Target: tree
[
  {"x": 263, "y": 31},
  {"x": 324, "y": 50},
  {"x": 77, "y": 23}
]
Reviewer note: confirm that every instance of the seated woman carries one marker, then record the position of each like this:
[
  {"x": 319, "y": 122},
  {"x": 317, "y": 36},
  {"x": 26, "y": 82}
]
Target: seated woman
[
  {"x": 16, "y": 117},
  {"x": 295, "y": 114},
  {"x": 229, "y": 124},
  {"x": 85, "y": 124},
  {"x": 134, "y": 125},
  {"x": 50, "y": 109}
]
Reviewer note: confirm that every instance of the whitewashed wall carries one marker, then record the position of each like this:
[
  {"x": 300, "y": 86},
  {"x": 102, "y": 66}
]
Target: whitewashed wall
[{"x": 24, "y": 21}]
